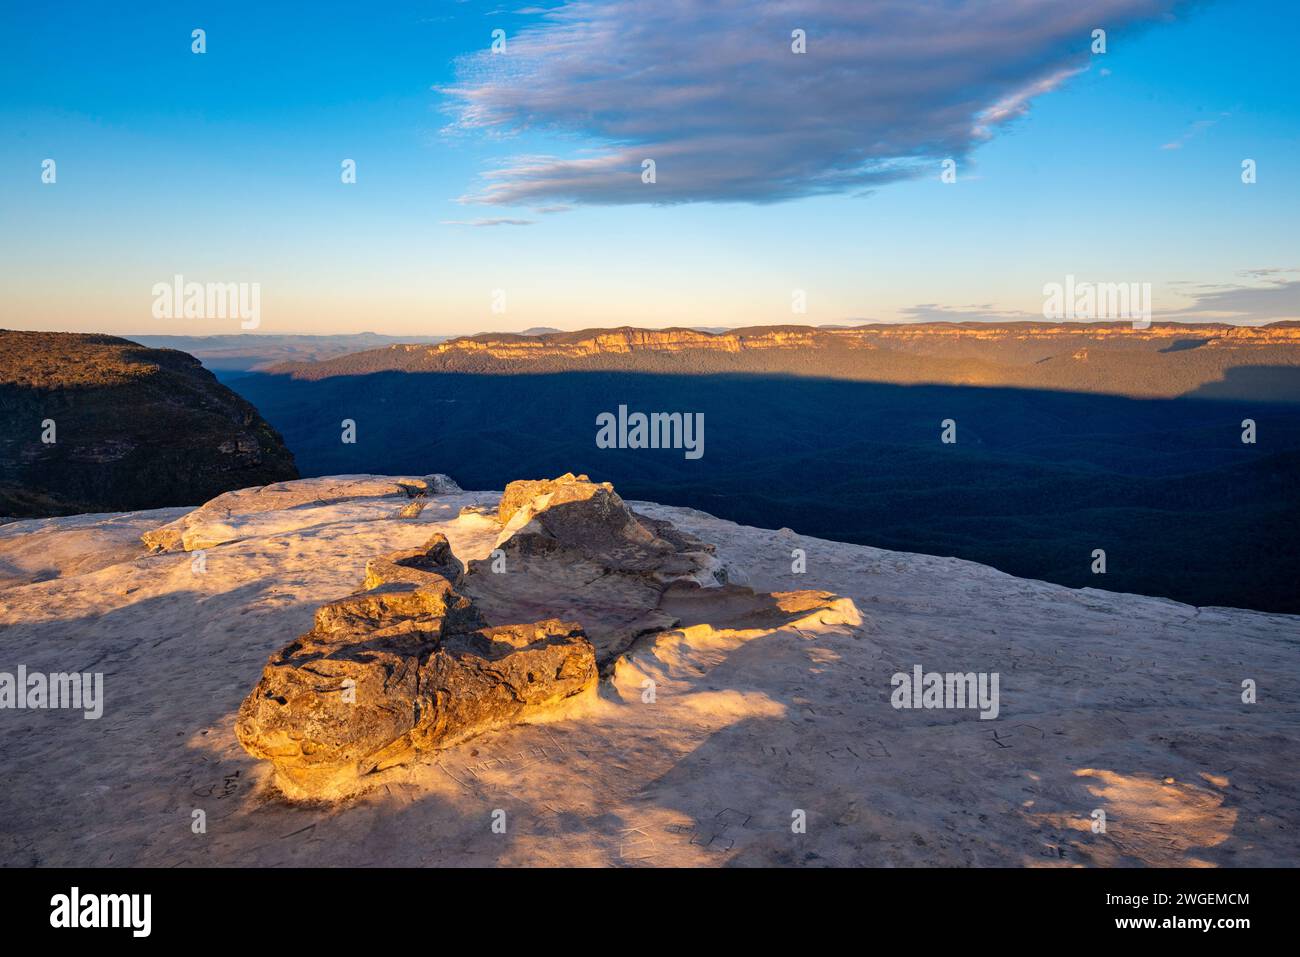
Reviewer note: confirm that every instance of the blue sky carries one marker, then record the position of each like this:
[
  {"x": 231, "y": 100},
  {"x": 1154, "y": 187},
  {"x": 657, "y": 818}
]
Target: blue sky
[{"x": 775, "y": 171}]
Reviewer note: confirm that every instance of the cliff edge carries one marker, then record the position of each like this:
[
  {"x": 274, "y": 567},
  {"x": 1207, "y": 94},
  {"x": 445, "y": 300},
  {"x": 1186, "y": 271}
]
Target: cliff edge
[{"x": 94, "y": 423}]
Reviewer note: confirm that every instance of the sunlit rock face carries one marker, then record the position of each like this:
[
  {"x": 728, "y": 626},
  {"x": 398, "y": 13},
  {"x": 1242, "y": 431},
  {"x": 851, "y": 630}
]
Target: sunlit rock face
[
  {"x": 415, "y": 565},
  {"x": 1118, "y": 357},
  {"x": 575, "y": 513},
  {"x": 572, "y": 547},
  {"x": 405, "y": 666}
]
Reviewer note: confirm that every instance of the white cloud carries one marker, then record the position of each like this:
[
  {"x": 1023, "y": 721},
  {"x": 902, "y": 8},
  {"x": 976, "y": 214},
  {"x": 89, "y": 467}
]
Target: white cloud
[
  {"x": 711, "y": 91},
  {"x": 500, "y": 221}
]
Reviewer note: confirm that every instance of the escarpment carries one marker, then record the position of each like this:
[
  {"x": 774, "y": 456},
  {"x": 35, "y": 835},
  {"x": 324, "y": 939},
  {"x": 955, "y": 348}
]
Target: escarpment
[
  {"x": 1114, "y": 357},
  {"x": 94, "y": 423}
]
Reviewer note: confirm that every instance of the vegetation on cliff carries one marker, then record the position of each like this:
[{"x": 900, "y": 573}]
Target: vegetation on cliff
[{"x": 94, "y": 423}]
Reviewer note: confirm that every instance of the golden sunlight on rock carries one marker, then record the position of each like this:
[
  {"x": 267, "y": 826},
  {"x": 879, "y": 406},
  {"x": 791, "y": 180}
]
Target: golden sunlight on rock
[{"x": 1141, "y": 819}]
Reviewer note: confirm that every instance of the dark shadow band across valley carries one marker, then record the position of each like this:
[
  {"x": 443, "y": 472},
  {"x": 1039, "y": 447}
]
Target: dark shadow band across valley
[{"x": 1036, "y": 481}]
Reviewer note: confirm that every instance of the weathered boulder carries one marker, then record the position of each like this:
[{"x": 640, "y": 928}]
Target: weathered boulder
[
  {"x": 434, "y": 556},
  {"x": 574, "y": 513},
  {"x": 573, "y": 548},
  {"x": 412, "y": 509},
  {"x": 404, "y": 667}
]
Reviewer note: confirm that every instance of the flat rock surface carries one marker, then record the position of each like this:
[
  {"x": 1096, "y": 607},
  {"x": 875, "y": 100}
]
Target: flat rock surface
[
  {"x": 271, "y": 508},
  {"x": 40, "y": 549},
  {"x": 1119, "y": 703}
]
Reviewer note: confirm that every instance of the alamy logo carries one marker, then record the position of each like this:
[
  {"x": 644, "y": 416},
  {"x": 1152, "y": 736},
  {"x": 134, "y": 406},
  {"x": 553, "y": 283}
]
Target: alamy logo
[
  {"x": 1098, "y": 300},
  {"x": 212, "y": 300},
  {"x": 950, "y": 690},
  {"x": 658, "y": 430},
  {"x": 103, "y": 910},
  {"x": 81, "y": 690}
]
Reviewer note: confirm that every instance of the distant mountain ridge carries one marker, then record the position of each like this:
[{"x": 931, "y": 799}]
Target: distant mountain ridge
[
  {"x": 1164, "y": 360},
  {"x": 249, "y": 351}
]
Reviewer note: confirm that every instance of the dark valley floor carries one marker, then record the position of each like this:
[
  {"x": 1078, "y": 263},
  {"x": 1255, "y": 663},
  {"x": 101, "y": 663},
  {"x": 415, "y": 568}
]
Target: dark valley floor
[{"x": 1036, "y": 481}]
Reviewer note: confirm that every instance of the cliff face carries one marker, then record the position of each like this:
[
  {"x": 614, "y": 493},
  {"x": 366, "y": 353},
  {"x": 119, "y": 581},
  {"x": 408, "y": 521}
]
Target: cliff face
[
  {"x": 93, "y": 423},
  {"x": 1166, "y": 359},
  {"x": 628, "y": 340}
]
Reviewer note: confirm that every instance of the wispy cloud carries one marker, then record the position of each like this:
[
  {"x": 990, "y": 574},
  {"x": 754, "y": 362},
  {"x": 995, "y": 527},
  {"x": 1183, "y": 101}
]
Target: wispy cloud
[
  {"x": 1272, "y": 297},
  {"x": 1192, "y": 130},
  {"x": 712, "y": 92},
  {"x": 976, "y": 312},
  {"x": 500, "y": 221}
]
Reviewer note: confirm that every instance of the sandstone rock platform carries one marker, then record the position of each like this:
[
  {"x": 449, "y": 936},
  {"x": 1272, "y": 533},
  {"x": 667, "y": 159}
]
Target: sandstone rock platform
[{"x": 699, "y": 744}]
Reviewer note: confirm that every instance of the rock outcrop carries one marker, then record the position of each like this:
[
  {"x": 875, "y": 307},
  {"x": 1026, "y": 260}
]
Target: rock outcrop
[
  {"x": 429, "y": 654},
  {"x": 406, "y": 666},
  {"x": 573, "y": 547},
  {"x": 94, "y": 423},
  {"x": 227, "y": 517}
]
